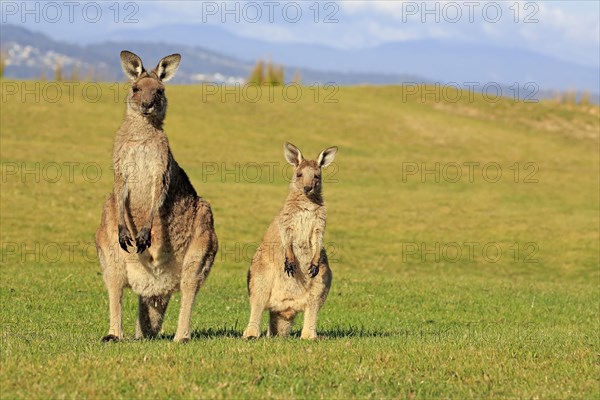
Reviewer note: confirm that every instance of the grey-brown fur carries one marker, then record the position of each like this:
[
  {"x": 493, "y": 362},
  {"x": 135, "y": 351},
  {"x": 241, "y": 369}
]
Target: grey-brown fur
[
  {"x": 290, "y": 272},
  {"x": 156, "y": 234}
]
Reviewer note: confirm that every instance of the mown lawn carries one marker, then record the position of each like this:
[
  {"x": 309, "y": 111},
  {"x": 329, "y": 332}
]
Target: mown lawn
[{"x": 470, "y": 286}]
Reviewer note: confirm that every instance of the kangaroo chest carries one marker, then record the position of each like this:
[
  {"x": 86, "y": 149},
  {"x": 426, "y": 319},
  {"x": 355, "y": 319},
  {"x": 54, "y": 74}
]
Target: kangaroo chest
[
  {"x": 142, "y": 166},
  {"x": 303, "y": 224}
]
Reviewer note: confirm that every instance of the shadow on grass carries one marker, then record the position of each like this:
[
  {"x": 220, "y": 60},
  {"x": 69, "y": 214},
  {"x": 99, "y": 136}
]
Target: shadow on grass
[
  {"x": 332, "y": 333},
  {"x": 207, "y": 333},
  {"x": 352, "y": 332},
  {"x": 212, "y": 333}
]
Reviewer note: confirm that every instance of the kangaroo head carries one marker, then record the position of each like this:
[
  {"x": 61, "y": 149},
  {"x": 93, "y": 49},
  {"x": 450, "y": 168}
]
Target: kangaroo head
[
  {"x": 307, "y": 173},
  {"x": 147, "y": 94}
]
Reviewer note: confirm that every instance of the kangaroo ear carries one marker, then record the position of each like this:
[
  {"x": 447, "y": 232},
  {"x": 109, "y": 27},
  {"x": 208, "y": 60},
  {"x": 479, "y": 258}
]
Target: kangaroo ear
[
  {"x": 167, "y": 67},
  {"x": 326, "y": 157},
  {"x": 132, "y": 65},
  {"x": 292, "y": 154}
]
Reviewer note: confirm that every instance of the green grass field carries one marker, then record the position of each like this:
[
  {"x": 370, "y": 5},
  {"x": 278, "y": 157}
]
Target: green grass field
[{"x": 442, "y": 287}]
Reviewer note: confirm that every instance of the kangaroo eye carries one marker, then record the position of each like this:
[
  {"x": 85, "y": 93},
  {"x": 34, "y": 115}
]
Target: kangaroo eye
[
  {"x": 318, "y": 176},
  {"x": 160, "y": 92},
  {"x": 135, "y": 89},
  {"x": 299, "y": 174}
]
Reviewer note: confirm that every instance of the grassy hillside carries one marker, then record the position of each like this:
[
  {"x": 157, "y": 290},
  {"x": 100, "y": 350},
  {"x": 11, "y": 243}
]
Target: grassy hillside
[{"x": 463, "y": 286}]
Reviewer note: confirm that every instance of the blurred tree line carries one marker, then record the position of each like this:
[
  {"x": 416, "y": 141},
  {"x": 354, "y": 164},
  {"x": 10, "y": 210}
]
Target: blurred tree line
[{"x": 269, "y": 73}]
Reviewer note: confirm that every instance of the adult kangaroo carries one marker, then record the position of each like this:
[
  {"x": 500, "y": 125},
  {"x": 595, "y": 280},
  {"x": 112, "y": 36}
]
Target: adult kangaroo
[{"x": 156, "y": 234}]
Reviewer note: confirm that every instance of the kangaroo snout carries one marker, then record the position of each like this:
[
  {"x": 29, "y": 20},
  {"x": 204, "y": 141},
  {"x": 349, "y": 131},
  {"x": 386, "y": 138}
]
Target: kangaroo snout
[{"x": 147, "y": 107}]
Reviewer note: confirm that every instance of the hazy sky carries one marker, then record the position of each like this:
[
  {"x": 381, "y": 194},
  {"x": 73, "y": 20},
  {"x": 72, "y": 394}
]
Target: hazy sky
[{"x": 568, "y": 30}]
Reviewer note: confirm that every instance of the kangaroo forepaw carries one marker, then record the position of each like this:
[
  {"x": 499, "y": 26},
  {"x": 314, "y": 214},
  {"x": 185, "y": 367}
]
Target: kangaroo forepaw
[
  {"x": 143, "y": 240},
  {"x": 124, "y": 237},
  {"x": 290, "y": 267},
  {"x": 313, "y": 270}
]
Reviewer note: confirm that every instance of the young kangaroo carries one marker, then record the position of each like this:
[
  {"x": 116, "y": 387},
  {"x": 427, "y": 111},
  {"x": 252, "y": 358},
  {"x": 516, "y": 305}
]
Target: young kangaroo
[
  {"x": 156, "y": 234},
  {"x": 290, "y": 272}
]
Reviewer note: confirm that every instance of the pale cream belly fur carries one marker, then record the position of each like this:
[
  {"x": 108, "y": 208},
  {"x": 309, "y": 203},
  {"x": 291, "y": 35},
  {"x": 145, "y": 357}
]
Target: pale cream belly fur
[
  {"x": 149, "y": 276},
  {"x": 292, "y": 292},
  {"x": 288, "y": 297}
]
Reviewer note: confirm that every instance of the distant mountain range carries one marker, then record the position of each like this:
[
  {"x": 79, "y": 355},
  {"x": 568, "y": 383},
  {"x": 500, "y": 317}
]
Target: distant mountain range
[
  {"x": 31, "y": 55},
  {"x": 211, "y": 53},
  {"x": 435, "y": 60}
]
